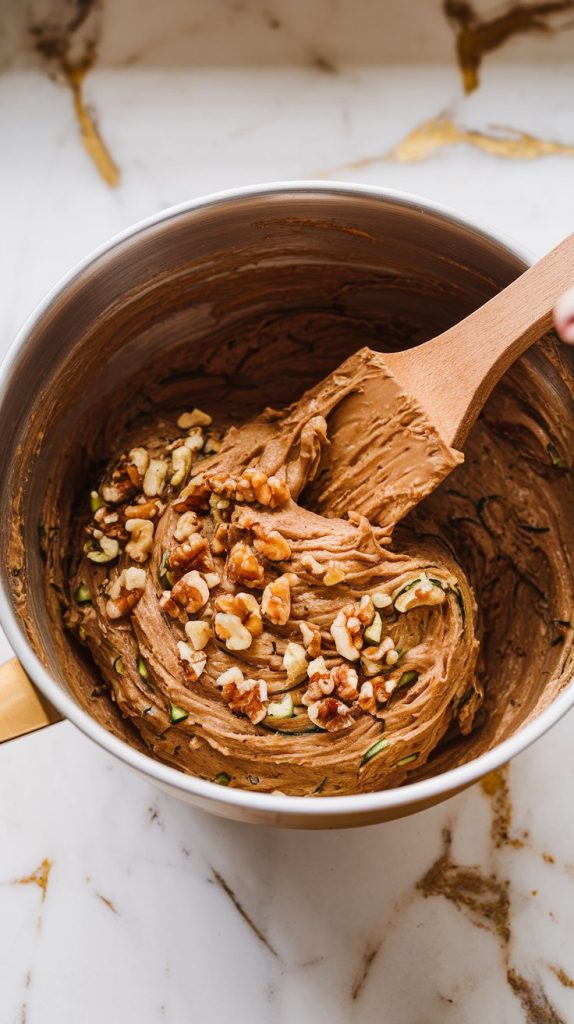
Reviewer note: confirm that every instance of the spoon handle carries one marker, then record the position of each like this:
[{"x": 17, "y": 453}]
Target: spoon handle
[{"x": 454, "y": 374}]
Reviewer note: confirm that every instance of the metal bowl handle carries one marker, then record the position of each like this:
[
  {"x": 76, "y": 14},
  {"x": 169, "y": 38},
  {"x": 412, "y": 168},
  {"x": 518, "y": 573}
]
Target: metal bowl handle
[{"x": 23, "y": 709}]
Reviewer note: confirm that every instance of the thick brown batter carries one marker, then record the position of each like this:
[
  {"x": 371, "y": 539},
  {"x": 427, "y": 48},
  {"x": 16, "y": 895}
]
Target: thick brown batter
[{"x": 326, "y": 730}]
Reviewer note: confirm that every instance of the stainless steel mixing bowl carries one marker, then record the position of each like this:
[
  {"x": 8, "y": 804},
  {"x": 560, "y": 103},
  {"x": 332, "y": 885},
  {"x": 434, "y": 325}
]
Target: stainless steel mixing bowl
[{"x": 158, "y": 288}]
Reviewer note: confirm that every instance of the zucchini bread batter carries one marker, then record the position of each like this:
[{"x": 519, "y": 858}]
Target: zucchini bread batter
[{"x": 259, "y": 621}]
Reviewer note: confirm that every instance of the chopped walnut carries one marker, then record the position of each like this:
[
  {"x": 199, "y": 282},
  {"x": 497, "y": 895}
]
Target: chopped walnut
[
  {"x": 255, "y": 485},
  {"x": 193, "y": 553},
  {"x": 220, "y": 540},
  {"x": 366, "y": 610},
  {"x": 144, "y": 510},
  {"x": 154, "y": 479},
  {"x": 246, "y": 607},
  {"x": 330, "y": 714},
  {"x": 194, "y": 661},
  {"x": 125, "y": 592},
  {"x": 347, "y": 633},
  {"x": 312, "y": 565},
  {"x": 140, "y": 545},
  {"x": 181, "y": 459},
  {"x": 194, "y": 418},
  {"x": 371, "y": 657},
  {"x": 190, "y": 592},
  {"x": 244, "y": 567},
  {"x": 195, "y": 440},
  {"x": 187, "y": 524},
  {"x": 222, "y": 485},
  {"x": 320, "y": 683},
  {"x": 230, "y": 629},
  {"x": 421, "y": 591},
  {"x": 271, "y": 544},
  {"x": 247, "y": 697},
  {"x": 198, "y": 633},
  {"x": 374, "y": 694},
  {"x": 341, "y": 681},
  {"x": 345, "y": 681},
  {"x": 194, "y": 495},
  {"x": 109, "y": 523},
  {"x": 212, "y": 579},
  {"x": 381, "y": 600},
  {"x": 276, "y": 600},
  {"x": 311, "y": 639},
  {"x": 295, "y": 662},
  {"x": 127, "y": 476},
  {"x": 333, "y": 576}
]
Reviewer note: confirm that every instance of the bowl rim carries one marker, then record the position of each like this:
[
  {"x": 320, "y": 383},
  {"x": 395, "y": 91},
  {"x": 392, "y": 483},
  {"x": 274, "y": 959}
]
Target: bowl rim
[{"x": 264, "y": 805}]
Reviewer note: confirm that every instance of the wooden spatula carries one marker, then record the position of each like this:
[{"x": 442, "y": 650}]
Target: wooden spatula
[{"x": 452, "y": 376}]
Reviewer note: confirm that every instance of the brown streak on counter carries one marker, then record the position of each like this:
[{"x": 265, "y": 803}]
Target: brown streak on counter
[
  {"x": 91, "y": 137},
  {"x": 231, "y": 895},
  {"x": 476, "y": 37},
  {"x": 533, "y": 999},
  {"x": 495, "y": 785},
  {"x": 563, "y": 978},
  {"x": 39, "y": 877},
  {"x": 484, "y": 899},
  {"x": 367, "y": 962},
  {"x": 548, "y": 858},
  {"x": 109, "y": 903}
]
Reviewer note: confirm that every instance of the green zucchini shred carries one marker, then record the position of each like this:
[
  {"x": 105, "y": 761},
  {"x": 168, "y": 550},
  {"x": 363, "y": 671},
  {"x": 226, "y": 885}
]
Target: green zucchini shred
[
  {"x": 407, "y": 678},
  {"x": 222, "y": 779},
  {"x": 119, "y": 666},
  {"x": 321, "y": 786},
  {"x": 406, "y": 760},
  {"x": 142, "y": 668},
  {"x": 177, "y": 714},
  {"x": 96, "y": 501},
  {"x": 556, "y": 458},
  {"x": 82, "y": 595},
  {"x": 165, "y": 576},
  {"x": 376, "y": 748}
]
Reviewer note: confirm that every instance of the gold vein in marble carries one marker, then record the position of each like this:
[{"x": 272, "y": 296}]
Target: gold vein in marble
[
  {"x": 39, "y": 877},
  {"x": 442, "y": 131},
  {"x": 495, "y": 786},
  {"x": 90, "y": 133}
]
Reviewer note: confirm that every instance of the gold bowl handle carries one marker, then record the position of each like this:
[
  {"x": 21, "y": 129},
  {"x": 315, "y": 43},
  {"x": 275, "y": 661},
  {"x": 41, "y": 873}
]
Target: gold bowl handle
[{"x": 22, "y": 707}]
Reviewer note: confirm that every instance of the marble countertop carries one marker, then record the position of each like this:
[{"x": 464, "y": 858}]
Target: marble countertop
[{"x": 117, "y": 902}]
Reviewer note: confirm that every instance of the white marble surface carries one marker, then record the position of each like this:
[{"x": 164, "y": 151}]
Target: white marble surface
[{"x": 339, "y": 930}]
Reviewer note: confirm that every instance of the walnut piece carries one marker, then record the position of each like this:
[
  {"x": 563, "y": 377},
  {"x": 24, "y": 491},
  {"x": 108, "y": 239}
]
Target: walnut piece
[
  {"x": 194, "y": 661},
  {"x": 144, "y": 510},
  {"x": 295, "y": 662},
  {"x": 198, "y": 633},
  {"x": 254, "y": 485},
  {"x": 127, "y": 476},
  {"x": 230, "y": 629},
  {"x": 244, "y": 567},
  {"x": 341, "y": 681},
  {"x": 246, "y": 607},
  {"x": 276, "y": 600},
  {"x": 125, "y": 592},
  {"x": 330, "y": 714},
  {"x": 244, "y": 696},
  {"x": 187, "y": 524},
  {"x": 140, "y": 545},
  {"x": 271, "y": 544},
  {"x": 195, "y": 495},
  {"x": 311, "y": 638},
  {"x": 220, "y": 540},
  {"x": 422, "y": 591},
  {"x": 181, "y": 459},
  {"x": 190, "y": 592},
  {"x": 154, "y": 479},
  {"x": 193, "y": 553},
  {"x": 195, "y": 418},
  {"x": 347, "y": 632}
]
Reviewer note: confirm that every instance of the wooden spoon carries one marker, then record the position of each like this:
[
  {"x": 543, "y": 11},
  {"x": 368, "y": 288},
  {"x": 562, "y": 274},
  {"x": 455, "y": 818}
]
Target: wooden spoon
[{"x": 452, "y": 375}]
